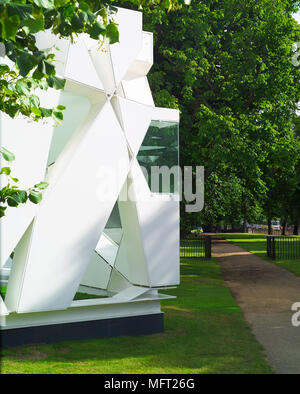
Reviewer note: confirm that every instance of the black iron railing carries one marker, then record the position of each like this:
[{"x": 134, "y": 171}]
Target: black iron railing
[
  {"x": 200, "y": 247},
  {"x": 283, "y": 248}
]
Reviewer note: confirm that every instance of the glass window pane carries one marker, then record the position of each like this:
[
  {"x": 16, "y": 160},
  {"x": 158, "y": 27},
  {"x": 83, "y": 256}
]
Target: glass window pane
[{"x": 159, "y": 149}]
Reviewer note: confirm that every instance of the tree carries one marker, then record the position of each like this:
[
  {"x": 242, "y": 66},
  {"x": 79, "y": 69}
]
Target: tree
[{"x": 227, "y": 66}]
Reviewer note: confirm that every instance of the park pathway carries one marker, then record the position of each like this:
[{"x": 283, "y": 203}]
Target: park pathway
[{"x": 265, "y": 293}]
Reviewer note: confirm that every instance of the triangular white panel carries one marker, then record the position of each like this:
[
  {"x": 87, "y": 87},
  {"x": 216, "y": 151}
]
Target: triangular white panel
[
  {"x": 107, "y": 249},
  {"x": 22, "y": 137},
  {"x": 138, "y": 89},
  {"x": 97, "y": 274},
  {"x": 77, "y": 108},
  {"x": 116, "y": 106},
  {"x": 136, "y": 119},
  {"x": 115, "y": 234},
  {"x": 102, "y": 62},
  {"x": 122, "y": 263},
  {"x": 80, "y": 66},
  {"x": 131, "y": 293},
  {"x": 117, "y": 282},
  {"x": 144, "y": 60},
  {"x": 131, "y": 40},
  {"x": 138, "y": 273}
]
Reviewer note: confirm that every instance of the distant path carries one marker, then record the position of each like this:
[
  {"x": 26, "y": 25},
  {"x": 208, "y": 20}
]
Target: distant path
[{"x": 265, "y": 293}]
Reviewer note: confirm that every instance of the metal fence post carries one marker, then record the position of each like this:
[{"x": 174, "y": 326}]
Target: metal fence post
[
  {"x": 207, "y": 247},
  {"x": 273, "y": 248}
]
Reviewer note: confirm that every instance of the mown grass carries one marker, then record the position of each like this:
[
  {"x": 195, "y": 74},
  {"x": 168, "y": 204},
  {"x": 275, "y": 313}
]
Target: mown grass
[
  {"x": 204, "y": 333},
  {"x": 256, "y": 244}
]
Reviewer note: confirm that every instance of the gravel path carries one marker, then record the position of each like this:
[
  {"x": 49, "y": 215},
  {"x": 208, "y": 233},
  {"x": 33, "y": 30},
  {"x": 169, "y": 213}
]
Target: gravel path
[{"x": 265, "y": 293}]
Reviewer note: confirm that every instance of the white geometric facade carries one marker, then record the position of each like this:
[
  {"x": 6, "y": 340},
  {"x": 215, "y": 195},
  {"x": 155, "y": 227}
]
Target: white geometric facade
[{"x": 85, "y": 236}]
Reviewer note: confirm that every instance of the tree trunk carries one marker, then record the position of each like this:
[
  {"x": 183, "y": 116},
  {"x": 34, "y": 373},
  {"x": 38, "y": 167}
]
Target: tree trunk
[
  {"x": 296, "y": 229},
  {"x": 284, "y": 224},
  {"x": 245, "y": 226}
]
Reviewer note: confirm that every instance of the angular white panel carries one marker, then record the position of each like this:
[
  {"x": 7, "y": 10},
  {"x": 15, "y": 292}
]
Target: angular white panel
[
  {"x": 22, "y": 137},
  {"x": 144, "y": 61},
  {"x": 117, "y": 282},
  {"x": 77, "y": 108},
  {"x": 138, "y": 89},
  {"x": 138, "y": 273},
  {"x": 107, "y": 249},
  {"x": 160, "y": 243},
  {"x": 114, "y": 233},
  {"x": 72, "y": 217},
  {"x": 97, "y": 274},
  {"x": 122, "y": 263},
  {"x": 80, "y": 66},
  {"x": 131, "y": 293},
  {"x": 102, "y": 62},
  {"x": 131, "y": 40},
  {"x": 136, "y": 119}
]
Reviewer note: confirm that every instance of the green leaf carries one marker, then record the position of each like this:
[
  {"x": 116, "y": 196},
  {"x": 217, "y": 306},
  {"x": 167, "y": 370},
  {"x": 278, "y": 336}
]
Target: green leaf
[
  {"x": 13, "y": 200},
  {"x": 10, "y": 26},
  {"x": 42, "y": 185},
  {"x": 22, "y": 196},
  {"x": 14, "y": 179},
  {"x": 60, "y": 3},
  {"x": 37, "y": 74},
  {"x": 4, "y": 69},
  {"x": 23, "y": 11},
  {"x": 57, "y": 116},
  {"x": 46, "y": 67},
  {"x": 61, "y": 107},
  {"x": 56, "y": 83},
  {"x": 112, "y": 33},
  {"x": 35, "y": 196},
  {"x": 76, "y": 23},
  {"x": 25, "y": 63},
  {"x": 33, "y": 24},
  {"x": 36, "y": 111},
  {"x": 34, "y": 101},
  {"x": 46, "y": 112},
  {"x": 48, "y": 4},
  {"x": 5, "y": 170},
  {"x": 2, "y": 211},
  {"x": 22, "y": 87},
  {"x": 16, "y": 198},
  {"x": 97, "y": 29},
  {"x": 7, "y": 155}
]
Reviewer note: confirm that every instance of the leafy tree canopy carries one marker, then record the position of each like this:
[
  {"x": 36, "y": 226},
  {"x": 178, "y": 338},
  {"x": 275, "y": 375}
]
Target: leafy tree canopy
[{"x": 227, "y": 66}]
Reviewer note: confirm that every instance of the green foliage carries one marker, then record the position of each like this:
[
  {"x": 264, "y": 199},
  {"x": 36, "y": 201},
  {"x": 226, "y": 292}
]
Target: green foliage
[
  {"x": 228, "y": 65},
  {"x": 10, "y": 194}
]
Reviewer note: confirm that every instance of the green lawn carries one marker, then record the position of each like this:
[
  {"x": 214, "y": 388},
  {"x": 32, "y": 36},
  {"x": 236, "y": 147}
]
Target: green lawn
[
  {"x": 204, "y": 333},
  {"x": 256, "y": 244}
]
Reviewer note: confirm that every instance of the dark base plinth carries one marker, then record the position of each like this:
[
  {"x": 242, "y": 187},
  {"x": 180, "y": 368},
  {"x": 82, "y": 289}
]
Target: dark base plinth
[{"x": 121, "y": 326}]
